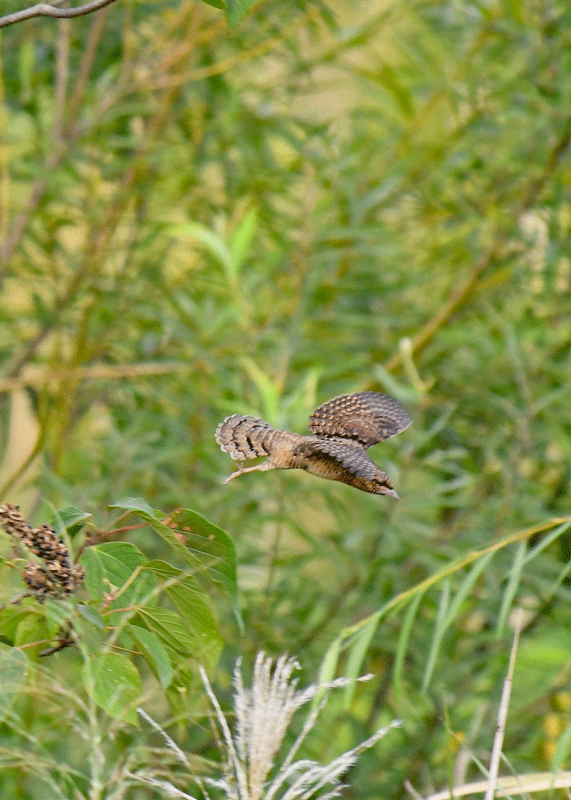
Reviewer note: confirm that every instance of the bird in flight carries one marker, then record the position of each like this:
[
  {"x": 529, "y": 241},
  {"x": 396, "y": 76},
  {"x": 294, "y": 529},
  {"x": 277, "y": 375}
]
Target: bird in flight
[{"x": 342, "y": 430}]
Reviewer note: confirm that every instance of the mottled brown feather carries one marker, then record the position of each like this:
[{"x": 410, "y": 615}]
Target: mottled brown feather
[
  {"x": 367, "y": 417},
  {"x": 342, "y": 428}
]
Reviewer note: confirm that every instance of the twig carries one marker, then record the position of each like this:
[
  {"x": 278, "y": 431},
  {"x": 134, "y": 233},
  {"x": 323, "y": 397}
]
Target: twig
[
  {"x": 85, "y": 66},
  {"x": 36, "y": 195},
  {"x": 38, "y": 378},
  {"x": 47, "y": 10},
  {"x": 510, "y": 785},
  {"x": 61, "y": 75},
  {"x": 503, "y": 714}
]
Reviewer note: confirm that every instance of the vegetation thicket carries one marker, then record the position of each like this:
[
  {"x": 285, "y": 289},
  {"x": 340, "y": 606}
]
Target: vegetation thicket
[{"x": 198, "y": 220}]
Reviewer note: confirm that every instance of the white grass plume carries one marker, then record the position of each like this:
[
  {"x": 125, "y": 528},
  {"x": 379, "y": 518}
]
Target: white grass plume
[
  {"x": 252, "y": 767},
  {"x": 263, "y": 714}
]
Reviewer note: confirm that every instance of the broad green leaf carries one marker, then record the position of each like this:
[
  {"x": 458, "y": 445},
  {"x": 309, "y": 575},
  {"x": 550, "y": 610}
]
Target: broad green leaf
[
  {"x": 31, "y": 628},
  {"x": 154, "y": 652},
  {"x": 211, "y": 544},
  {"x": 388, "y": 77},
  {"x": 135, "y": 504},
  {"x": 194, "y": 607},
  {"x": 116, "y": 685},
  {"x": 167, "y": 625},
  {"x": 91, "y": 615},
  {"x": 204, "y": 547},
  {"x": 72, "y": 519},
  {"x": 155, "y": 520},
  {"x": 539, "y": 660},
  {"x": 109, "y": 567},
  {"x": 10, "y": 618},
  {"x": 57, "y": 614}
]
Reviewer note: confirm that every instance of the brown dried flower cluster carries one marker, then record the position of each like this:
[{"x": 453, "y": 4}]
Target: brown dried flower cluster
[{"x": 56, "y": 576}]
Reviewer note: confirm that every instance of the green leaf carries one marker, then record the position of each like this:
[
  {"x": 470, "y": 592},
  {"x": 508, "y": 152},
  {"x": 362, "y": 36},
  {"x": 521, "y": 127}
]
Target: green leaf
[
  {"x": 243, "y": 236},
  {"x": 194, "y": 607},
  {"x": 267, "y": 387},
  {"x": 57, "y": 614},
  {"x": 91, "y": 615},
  {"x": 394, "y": 387},
  {"x": 10, "y": 619},
  {"x": 154, "y": 520},
  {"x": 205, "y": 546},
  {"x": 31, "y": 628},
  {"x": 167, "y": 625},
  {"x": 26, "y": 68},
  {"x": 328, "y": 668},
  {"x": 135, "y": 504},
  {"x": 450, "y": 610},
  {"x": 539, "y": 658},
  {"x": 213, "y": 545},
  {"x": 236, "y": 10},
  {"x": 43, "y": 312},
  {"x": 388, "y": 77},
  {"x": 71, "y": 518},
  {"x": 562, "y": 749},
  {"x": 403, "y": 640},
  {"x": 109, "y": 567},
  {"x": 13, "y": 666},
  {"x": 357, "y": 654},
  {"x": 215, "y": 245},
  {"x": 154, "y": 653},
  {"x": 115, "y": 683},
  {"x": 512, "y": 587}
]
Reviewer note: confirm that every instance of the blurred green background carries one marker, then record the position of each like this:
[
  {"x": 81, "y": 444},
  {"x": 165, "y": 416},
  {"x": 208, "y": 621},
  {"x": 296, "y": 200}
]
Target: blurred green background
[{"x": 199, "y": 220}]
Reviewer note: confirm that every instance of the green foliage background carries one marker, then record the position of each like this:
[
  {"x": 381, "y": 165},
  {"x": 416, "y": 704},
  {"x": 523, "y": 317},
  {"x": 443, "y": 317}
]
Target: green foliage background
[{"x": 198, "y": 221}]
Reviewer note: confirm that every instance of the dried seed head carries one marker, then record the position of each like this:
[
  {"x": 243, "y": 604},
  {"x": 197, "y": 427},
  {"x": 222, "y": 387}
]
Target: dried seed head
[
  {"x": 57, "y": 575},
  {"x": 13, "y": 521}
]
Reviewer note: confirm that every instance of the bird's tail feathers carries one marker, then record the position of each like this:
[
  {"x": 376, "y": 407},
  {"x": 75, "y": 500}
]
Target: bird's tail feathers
[{"x": 244, "y": 437}]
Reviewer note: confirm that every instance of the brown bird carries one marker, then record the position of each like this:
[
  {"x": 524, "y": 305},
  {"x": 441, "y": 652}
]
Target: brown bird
[{"x": 342, "y": 429}]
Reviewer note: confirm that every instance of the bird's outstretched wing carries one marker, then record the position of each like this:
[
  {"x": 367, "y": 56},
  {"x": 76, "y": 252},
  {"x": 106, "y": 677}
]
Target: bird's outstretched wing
[
  {"x": 366, "y": 417},
  {"x": 332, "y": 454}
]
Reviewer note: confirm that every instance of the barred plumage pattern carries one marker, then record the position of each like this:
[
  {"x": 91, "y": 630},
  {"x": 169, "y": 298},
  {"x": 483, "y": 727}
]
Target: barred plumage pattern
[{"x": 342, "y": 430}]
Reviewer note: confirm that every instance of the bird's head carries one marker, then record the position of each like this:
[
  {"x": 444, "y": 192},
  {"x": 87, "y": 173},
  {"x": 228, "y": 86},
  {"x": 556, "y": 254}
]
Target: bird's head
[{"x": 382, "y": 485}]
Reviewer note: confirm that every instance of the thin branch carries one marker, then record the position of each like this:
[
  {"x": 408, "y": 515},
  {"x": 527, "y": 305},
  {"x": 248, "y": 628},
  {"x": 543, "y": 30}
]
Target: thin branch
[
  {"x": 61, "y": 74},
  {"x": 510, "y": 785},
  {"x": 34, "y": 199},
  {"x": 503, "y": 714},
  {"x": 86, "y": 65},
  {"x": 46, "y": 10}
]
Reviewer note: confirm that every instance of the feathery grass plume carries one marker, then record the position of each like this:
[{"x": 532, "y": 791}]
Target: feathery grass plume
[{"x": 252, "y": 768}]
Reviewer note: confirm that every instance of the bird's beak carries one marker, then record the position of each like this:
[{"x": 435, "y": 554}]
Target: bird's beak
[{"x": 391, "y": 493}]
